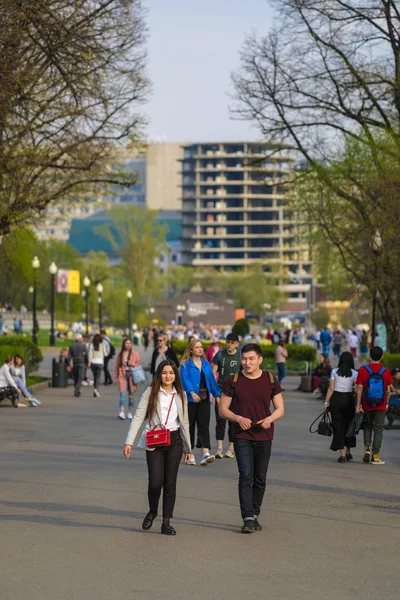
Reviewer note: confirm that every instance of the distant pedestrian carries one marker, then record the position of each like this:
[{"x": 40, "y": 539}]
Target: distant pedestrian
[
  {"x": 199, "y": 383},
  {"x": 146, "y": 338},
  {"x": 326, "y": 339},
  {"x": 163, "y": 351},
  {"x": 353, "y": 343},
  {"x": 77, "y": 361},
  {"x": 363, "y": 347},
  {"x": 337, "y": 343},
  {"x": 97, "y": 354},
  {"x": 247, "y": 405},
  {"x": 213, "y": 349},
  {"x": 17, "y": 326},
  {"x": 281, "y": 355},
  {"x": 125, "y": 361},
  {"x": 225, "y": 363},
  {"x": 373, "y": 391},
  {"x": 340, "y": 401},
  {"x": 110, "y": 353},
  {"x": 162, "y": 405}
]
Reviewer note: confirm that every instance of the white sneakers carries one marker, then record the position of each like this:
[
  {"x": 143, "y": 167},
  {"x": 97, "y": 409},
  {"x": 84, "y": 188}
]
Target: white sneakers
[
  {"x": 192, "y": 460},
  {"x": 122, "y": 415},
  {"x": 207, "y": 459},
  {"x": 130, "y": 416},
  {"x": 96, "y": 393}
]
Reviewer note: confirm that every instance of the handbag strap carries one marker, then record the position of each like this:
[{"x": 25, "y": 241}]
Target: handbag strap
[
  {"x": 325, "y": 417},
  {"x": 169, "y": 410}
]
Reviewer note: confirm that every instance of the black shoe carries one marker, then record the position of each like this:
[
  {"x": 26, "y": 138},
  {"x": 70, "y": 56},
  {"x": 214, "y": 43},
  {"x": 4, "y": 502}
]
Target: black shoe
[
  {"x": 77, "y": 394},
  {"x": 367, "y": 456},
  {"x": 248, "y": 526},
  {"x": 349, "y": 457},
  {"x": 257, "y": 526},
  {"x": 167, "y": 530},
  {"x": 341, "y": 459},
  {"x": 147, "y": 522}
]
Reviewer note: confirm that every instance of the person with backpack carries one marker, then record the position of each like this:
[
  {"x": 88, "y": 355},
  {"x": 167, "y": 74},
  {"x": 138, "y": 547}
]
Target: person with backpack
[
  {"x": 246, "y": 401},
  {"x": 340, "y": 401},
  {"x": 110, "y": 353},
  {"x": 326, "y": 339},
  {"x": 373, "y": 391}
]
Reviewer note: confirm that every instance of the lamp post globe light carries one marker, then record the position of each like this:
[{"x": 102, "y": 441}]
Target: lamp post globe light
[
  {"x": 99, "y": 289},
  {"x": 129, "y": 298},
  {"x": 53, "y": 272},
  {"x": 86, "y": 283},
  {"x": 35, "y": 267}
]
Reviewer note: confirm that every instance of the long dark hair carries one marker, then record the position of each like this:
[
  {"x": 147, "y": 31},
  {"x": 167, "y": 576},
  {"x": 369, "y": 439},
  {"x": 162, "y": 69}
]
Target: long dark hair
[
  {"x": 120, "y": 365},
  {"x": 97, "y": 340},
  {"x": 346, "y": 364},
  {"x": 156, "y": 384}
]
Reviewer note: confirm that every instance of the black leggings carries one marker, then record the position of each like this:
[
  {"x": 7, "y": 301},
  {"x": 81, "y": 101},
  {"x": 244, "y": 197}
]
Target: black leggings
[
  {"x": 342, "y": 411},
  {"x": 200, "y": 413},
  {"x": 220, "y": 427},
  {"x": 163, "y": 465}
]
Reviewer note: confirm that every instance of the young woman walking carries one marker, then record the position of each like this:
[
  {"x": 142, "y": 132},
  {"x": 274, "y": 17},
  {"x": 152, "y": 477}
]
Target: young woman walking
[
  {"x": 162, "y": 404},
  {"x": 201, "y": 388},
  {"x": 340, "y": 401},
  {"x": 97, "y": 354},
  {"x": 163, "y": 351},
  {"x": 125, "y": 361}
]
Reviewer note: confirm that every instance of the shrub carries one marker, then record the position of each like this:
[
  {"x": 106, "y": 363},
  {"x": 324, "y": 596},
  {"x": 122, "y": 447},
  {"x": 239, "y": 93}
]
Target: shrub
[
  {"x": 16, "y": 345},
  {"x": 391, "y": 361},
  {"x": 241, "y": 327}
]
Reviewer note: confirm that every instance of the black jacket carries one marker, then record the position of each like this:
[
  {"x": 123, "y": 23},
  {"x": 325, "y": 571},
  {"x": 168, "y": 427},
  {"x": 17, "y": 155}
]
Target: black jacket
[{"x": 169, "y": 355}]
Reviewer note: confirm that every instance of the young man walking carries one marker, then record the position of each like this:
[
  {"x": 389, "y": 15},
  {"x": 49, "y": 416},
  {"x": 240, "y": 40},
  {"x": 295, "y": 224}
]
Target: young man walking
[
  {"x": 373, "y": 391},
  {"x": 225, "y": 363},
  {"x": 77, "y": 361},
  {"x": 247, "y": 404}
]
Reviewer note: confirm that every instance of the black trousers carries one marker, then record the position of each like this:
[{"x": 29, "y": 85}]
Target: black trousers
[
  {"x": 342, "y": 412},
  {"x": 220, "y": 426},
  {"x": 97, "y": 370},
  {"x": 199, "y": 414},
  {"x": 253, "y": 459},
  {"x": 107, "y": 376},
  {"x": 78, "y": 373},
  {"x": 163, "y": 465}
]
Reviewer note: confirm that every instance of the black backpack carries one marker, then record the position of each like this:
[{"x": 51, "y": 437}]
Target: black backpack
[{"x": 112, "y": 351}]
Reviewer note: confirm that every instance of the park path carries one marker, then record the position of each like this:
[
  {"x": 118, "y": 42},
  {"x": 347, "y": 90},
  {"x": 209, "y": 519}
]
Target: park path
[{"x": 71, "y": 509}]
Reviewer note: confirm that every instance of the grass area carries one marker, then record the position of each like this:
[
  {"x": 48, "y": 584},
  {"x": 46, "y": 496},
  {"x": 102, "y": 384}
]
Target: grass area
[
  {"x": 33, "y": 380},
  {"x": 291, "y": 365},
  {"x": 44, "y": 340}
]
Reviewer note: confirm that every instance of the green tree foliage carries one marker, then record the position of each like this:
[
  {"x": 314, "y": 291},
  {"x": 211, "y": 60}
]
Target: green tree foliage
[{"x": 71, "y": 81}]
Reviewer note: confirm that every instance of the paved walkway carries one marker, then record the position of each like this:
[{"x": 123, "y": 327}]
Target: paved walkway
[{"x": 71, "y": 509}]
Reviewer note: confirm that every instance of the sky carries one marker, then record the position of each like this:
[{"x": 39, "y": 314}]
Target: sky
[{"x": 193, "y": 48}]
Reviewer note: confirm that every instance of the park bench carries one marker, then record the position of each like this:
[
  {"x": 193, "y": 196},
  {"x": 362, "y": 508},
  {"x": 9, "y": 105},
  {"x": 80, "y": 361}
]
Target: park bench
[{"x": 10, "y": 393}]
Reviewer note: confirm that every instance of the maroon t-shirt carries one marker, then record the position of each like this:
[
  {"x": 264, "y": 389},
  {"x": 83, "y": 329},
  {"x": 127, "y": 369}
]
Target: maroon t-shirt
[{"x": 252, "y": 399}]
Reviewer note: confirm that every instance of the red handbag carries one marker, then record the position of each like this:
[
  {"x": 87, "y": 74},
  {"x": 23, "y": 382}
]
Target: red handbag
[{"x": 158, "y": 438}]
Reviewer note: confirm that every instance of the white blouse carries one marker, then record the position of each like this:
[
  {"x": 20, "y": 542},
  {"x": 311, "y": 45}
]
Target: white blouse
[
  {"x": 344, "y": 384},
  {"x": 164, "y": 400}
]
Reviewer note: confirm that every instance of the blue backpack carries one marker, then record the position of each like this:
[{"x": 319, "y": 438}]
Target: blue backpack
[{"x": 375, "y": 392}]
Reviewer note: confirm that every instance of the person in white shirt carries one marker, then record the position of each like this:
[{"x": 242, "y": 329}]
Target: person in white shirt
[
  {"x": 97, "y": 354},
  {"x": 17, "y": 372},
  {"x": 340, "y": 401},
  {"x": 7, "y": 384},
  {"x": 353, "y": 343},
  {"x": 164, "y": 404}
]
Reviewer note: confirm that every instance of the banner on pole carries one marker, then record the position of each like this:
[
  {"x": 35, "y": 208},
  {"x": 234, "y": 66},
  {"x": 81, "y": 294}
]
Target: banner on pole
[{"x": 68, "y": 282}]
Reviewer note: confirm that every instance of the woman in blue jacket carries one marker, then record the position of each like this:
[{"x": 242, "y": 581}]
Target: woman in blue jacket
[{"x": 201, "y": 388}]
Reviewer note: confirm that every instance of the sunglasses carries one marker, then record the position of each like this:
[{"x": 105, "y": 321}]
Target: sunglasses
[{"x": 160, "y": 340}]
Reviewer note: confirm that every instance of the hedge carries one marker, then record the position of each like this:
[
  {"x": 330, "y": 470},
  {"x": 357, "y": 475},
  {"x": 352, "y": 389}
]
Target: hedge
[
  {"x": 391, "y": 361},
  {"x": 295, "y": 351},
  {"x": 12, "y": 345}
]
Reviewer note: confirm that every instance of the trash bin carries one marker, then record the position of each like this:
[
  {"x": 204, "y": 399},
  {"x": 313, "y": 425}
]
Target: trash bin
[{"x": 59, "y": 377}]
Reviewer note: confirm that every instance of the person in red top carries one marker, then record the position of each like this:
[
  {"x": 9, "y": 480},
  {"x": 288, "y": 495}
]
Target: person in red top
[
  {"x": 247, "y": 406},
  {"x": 374, "y": 413},
  {"x": 213, "y": 350}
]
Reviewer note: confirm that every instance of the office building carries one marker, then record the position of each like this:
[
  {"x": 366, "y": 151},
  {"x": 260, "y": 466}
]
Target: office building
[{"x": 234, "y": 212}]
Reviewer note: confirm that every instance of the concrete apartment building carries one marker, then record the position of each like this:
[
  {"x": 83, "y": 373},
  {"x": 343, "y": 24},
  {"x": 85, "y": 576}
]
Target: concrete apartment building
[{"x": 234, "y": 212}]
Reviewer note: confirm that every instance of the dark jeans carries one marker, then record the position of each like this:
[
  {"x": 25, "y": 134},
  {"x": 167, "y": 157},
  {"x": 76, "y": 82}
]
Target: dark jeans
[
  {"x": 252, "y": 459},
  {"x": 163, "y": 465},
  {"x": 342, "y": 410},
  {"x": 281, "y": 371},
  {"x": 374, "y": 421},
  {"x": 200, "y": 413},
  {"x": 97, "y": 371},
  {"x": 220, "y": 427},
  {"x": 78, "y": 373},
  {"x": 107, "y": 376}
]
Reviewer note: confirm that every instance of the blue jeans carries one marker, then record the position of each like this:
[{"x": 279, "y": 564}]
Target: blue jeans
[
  {"x": 281, "y": 371},
  {"x": 252, "y": 458},
  {"x": 22, "y": 387},
  {"x": 123, "y": 395}
]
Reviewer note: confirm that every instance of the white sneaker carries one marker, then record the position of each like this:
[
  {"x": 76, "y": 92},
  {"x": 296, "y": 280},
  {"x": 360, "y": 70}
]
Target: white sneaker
[
  {"x": 130, "y": 416},
  {"x": 85, "y": 383},
  {"x": 37, "y": 402},
  {"x": 122, "y": 415},
  {"x": 207, "y": 459},
  {"x": 96, "y": 393},
  {"x": 192, "y": 460}
]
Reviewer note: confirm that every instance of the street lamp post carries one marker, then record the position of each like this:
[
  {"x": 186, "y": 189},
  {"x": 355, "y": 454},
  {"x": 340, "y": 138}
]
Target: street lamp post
[
  {"x": 129, "y": 298},
  {"x": 53, "y": 271},
  {"x": 86, "y": 283},
  {"x": 35, "y": 266},
  {"x": 99, "y": 289}
]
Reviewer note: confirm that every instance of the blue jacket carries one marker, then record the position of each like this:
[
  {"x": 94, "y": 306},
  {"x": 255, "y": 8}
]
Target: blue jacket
[{"x": 190, "y": 375}]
